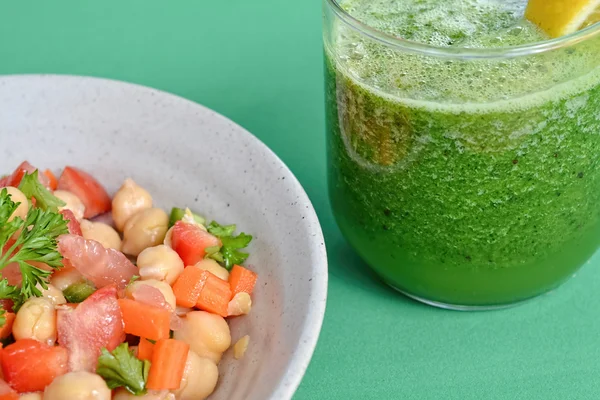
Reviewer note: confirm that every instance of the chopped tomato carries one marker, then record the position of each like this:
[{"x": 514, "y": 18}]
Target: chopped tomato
[
  {"x": 8, "y": 245},
  {"x": 6, "y": 304},
  {"x": 87, "y": 188},
  {"x": 15, "y": 178},
  {"x": 30, "y": 366},
  {"x": 190, "y": 242},
  {"x": 52, "y": 181},
  {"x": 100, "y": 265},
  {"x": 12, "y": 273},
  {"x": 73, "y": 224},
  {"x": 94, "y": 324}
]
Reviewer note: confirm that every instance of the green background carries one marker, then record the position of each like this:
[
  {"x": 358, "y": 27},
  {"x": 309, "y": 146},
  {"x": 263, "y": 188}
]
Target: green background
[{"x": 259, "y": 62}]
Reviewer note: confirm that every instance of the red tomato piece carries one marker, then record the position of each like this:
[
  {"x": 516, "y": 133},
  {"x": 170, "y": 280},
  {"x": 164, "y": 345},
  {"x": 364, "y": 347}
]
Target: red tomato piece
[
  {"x": 6, "y": 304},
  {"x": 15, "y": 178},
  {"x": 94, "y": 324},
  {"x": 87, "y": 188},
  {"x": 72, "y": 223},
  {"x": 30, "y": 366},
  {"x": 190, "y": 242}
]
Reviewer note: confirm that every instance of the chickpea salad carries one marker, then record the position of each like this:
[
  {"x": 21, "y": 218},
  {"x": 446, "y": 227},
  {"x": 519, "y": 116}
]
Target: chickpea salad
[{"x": 111, "y": 298}]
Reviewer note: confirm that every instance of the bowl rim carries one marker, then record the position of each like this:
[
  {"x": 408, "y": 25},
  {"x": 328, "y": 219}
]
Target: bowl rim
[{"x": 311, "y": 329}]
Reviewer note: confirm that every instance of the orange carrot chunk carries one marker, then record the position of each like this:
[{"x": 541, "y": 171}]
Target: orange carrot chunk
[
  {"x": 241, "y": 280},
  {"x": 214, "y": 295},
  {"x": 6, "y": 329},
  {"x": 145, "y": 349},
  {"x": 144, "y": 320},
  {"x": 53, "y": 181},
  {"x": 168, "y": 362},
  {"x": 188, "y": 285}
]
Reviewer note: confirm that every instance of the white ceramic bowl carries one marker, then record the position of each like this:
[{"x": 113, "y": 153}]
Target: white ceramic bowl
[{"x": 187, "y": 155}]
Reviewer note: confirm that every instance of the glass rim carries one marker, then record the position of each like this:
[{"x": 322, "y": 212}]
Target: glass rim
[{"x": 462, "y": 52}]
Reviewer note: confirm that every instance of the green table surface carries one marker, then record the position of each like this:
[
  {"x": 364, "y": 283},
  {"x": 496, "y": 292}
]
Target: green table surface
[{"x": 259, "y": 62}]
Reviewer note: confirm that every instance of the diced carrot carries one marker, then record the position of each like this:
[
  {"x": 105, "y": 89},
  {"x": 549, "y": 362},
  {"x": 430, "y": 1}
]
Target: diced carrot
[
  {"x": 168, "y": 363},
  {"x": 241, "y": 280},
  {"x": 144, "y": 320},
  {"x": 188, "y": 285},
  {"x": 6, "y": 329},
  {"x": 52, "y": 180},
  {"x": 214, "y": 296},
  {"x": 9, "y": 396},
  {"x": 145, "y": 349}
]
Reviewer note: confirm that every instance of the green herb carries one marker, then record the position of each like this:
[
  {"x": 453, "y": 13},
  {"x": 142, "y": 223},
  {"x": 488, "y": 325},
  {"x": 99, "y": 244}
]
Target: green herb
[
  {"x": 220, "y": 230},
  {"x": 36, "y": 241},
  {"x": 31, "y": 187},
  {"x": 11, "y": 293},
  {"x": 229, "y": 253},
  {"x": 133, "y": 279},
  {"x": 122, "y": 368},
  {"x": 78, "y": 291},
  {"x": 151, "y": 341}
]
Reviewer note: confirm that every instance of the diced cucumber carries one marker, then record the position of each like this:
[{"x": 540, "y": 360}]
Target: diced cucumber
[
  {"x": 78, "y": 292},
  {"x": 178, "y": 213}
]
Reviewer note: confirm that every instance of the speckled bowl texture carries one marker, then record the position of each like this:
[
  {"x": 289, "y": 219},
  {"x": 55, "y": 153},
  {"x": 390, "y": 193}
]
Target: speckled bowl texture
[{"x": 187, "y": 155}]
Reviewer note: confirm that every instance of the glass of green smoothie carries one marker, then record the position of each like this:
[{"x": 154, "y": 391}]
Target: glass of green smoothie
[{"x": 463, "y": 147}]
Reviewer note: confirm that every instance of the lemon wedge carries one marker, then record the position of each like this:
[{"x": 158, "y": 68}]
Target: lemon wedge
[{"x": 562, "y": 17}]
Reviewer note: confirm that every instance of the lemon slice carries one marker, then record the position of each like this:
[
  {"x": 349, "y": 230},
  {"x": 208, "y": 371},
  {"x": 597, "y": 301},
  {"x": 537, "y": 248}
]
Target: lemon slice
[{"x": 562, "y": 17}]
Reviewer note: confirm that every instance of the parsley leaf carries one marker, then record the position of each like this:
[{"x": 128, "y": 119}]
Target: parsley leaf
[
  {"x": 31, "y": 187},
  {"x": 219, "y": 230},
  {"x": 229, "y": 253},
  {"x": 36, "y": 241},
  {"x": 122, "y": 368},
  {"x": 11, "y": 293}
]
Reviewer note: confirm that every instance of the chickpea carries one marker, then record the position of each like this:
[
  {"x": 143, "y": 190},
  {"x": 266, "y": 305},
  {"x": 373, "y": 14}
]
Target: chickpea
[
  {"x": 241, "y": 304},
  {"x": 36, "y": 319},
  {"x": 31, "y": 396},
  {"x": 240, "y": 347},
  {"x": 182, "y": 311},
  {"x": 207, "y": 334},
  {"x": 128, "y": 201},
  {"x": 169, "y": 238},
  {"x": 65, "y": 277},
  {"x": 80, "y": 385},
  {"x": 52, "y": 294},
  {"x": 145, "y": 229},
  {"x": 100, "y": 232},
  {"x": 123, "y": 394},
  {"x": 73, "y": 203},
  {"x": 160, "y": 262},
  {"x": 18, "y": 197},
  {"x": 214, "y": 268},
  {"x": 199, "y": 378},
  {"x": 162, "y": 286}
]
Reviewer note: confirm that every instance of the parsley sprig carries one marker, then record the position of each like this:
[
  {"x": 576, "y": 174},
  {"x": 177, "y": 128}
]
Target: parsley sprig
[
  {"x": 229, "y": 253},
  {"x": 31, "y": 187},
  {"x": 36, "y": 240},
  {"x": 122, "y": 368}
]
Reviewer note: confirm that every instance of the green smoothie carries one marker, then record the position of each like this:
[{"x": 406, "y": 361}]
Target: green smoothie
[{"x": 462, "y": 181}]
